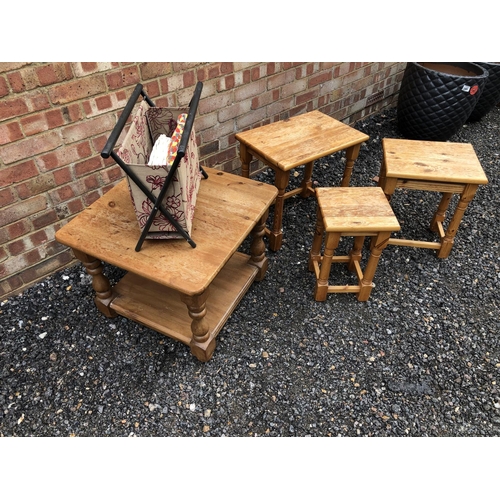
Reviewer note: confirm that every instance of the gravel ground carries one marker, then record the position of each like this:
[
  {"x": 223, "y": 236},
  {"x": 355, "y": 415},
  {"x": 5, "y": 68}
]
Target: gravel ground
[{"x": 420, "y": 358}]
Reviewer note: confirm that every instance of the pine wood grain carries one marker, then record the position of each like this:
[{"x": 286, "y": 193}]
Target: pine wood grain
[
  {"x": 432, "y": 161},
  {"x": 356, "y": 209},
  {"x": 304, "y": 138},
  {"x": 227, "y": 209},
  {"x": 297, "y": 141},
  {"x": 183, "y": 292},
  {"x": 445, "y": 167},
  {"x": 160, "y": 308}
]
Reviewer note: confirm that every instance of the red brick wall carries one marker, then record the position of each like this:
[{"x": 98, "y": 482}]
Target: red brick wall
[{"x": 56, "y": 117}]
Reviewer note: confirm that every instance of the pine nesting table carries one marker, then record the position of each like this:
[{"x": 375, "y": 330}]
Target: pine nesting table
[
  {"x": 287, "y": 144},
  {"x": 210, "y": 279},
  {"x": 445, "y": 167}
]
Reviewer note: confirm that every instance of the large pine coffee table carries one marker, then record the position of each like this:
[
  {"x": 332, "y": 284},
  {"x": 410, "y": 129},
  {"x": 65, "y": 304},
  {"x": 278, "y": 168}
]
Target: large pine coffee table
[{"x": 210, "y": 279}]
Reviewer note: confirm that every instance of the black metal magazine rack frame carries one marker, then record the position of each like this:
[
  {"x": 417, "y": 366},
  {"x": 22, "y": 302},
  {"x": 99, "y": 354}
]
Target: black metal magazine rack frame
[{"x": 157, "y": 201}]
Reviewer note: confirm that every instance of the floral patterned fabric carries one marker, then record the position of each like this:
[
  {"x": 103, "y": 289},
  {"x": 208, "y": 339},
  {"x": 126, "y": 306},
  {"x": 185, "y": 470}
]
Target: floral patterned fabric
[
  {"x": 148, "y": 124},
  {"x": 163, "y": 120}
]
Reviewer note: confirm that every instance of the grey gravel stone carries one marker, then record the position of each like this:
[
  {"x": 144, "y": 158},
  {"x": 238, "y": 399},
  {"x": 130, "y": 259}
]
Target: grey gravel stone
[{"x": 420, "y": 358}]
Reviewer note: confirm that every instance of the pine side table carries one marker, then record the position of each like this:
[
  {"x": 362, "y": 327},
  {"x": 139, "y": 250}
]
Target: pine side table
[
  {"x": 210, "y": 279},
  {"x": 287, "y": 144},
  {"x": 445, "y": 167}
]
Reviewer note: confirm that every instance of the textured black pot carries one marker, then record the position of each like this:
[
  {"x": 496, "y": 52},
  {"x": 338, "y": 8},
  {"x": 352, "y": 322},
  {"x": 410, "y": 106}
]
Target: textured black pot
[
  {"x": 490, "y": 96},
  {"x": 436, "y": 99}
]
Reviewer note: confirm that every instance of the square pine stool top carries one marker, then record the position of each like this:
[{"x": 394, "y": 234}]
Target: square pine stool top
[
  {"x": 355, "y": 209},
  {"x": 300, "y": 140},
  {"x": 350, "y": 211},
  {"x": 445, "y": 167}
]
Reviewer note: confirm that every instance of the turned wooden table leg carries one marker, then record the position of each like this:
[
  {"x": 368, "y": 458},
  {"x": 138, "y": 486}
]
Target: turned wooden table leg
[
  {"x": 449, "y": 237},
  {"x": 356, "y": 254},
  {"x": 321, "y": 289},
  {"x": 258, "y": 248},
  {"x": 306, "y": 184},
  {"x": 100, "y": 283},
  {"x": 315, "y": 253},
  {"x": 276, "y": 234},
  {"x": 245, "y": 158},
  {"x": 201, "y": 345},
  {"x": 388, "y": 184},
  {"x": 440, "y": 214},
  {"x": 351, "y": 156},
  {"x": 381, "y": 240}
]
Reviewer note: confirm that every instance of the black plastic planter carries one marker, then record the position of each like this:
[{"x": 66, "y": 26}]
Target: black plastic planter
[
  {"x": 436, "y": 99},
  {"x": 490, "y": 95}
]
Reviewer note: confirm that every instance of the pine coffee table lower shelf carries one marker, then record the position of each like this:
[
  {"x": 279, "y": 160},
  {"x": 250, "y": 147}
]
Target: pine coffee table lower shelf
[
  {"x": 210, "y": 279},
  {"x": 137, "y": 299}
]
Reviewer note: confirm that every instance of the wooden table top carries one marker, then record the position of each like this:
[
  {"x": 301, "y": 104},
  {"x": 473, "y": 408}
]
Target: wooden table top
[
  {"x": 356, "y": 208},
  {"x": 227, "y": 209},
  {"x": 290, "y": 143},
  {"x": 434, "y": 161}
]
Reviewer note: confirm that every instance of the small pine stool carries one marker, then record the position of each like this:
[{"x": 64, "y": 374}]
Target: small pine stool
[
  {"x": 350, "y": 211},
  {"x": 445, "y": 167}
]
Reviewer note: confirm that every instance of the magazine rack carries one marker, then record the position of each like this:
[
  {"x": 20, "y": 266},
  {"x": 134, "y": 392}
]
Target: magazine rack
[{"x": 156, "y": 218}]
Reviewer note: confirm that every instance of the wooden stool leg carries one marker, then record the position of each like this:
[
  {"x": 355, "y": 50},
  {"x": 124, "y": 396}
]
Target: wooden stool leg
[
  {"x": 276, "y": 234},
  {"x": 440, "y": 214},
  {"x": 356, "y": 253},
  {"x": 321, "y": 289},
  {"x": 351, "y": 156},
  {"x": 306, "y": 184},
  {"x": 381, "y": 240},
  {"x": 201, "y": 345},
  {"x": 258, "y": 248},
  {"x": 100, "y": 283},
  {"x": 448, "y": 240},
  {"x": 315, "y": 253},
  {"x": 245, "y": 158}
]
